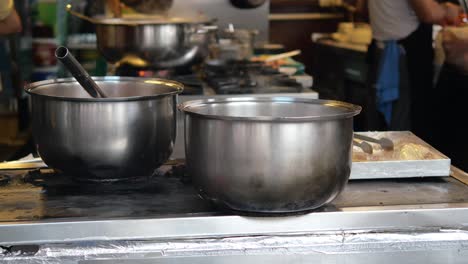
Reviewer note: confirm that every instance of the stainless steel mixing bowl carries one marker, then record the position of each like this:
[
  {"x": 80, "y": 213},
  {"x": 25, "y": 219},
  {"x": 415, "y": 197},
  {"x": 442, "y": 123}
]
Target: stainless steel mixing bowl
[
  {"x": 269, "y": 155},
  {"x": 159, "y": 43},
  {"x": 129, "y": 134}
]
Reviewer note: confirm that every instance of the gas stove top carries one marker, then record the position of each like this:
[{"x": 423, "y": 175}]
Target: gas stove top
[
  {"x": 36, "y": 206},
  {"x": 224, "y": 77},
  {"x": 45, "y": 194},
  {"x": 242, "y": 77}
]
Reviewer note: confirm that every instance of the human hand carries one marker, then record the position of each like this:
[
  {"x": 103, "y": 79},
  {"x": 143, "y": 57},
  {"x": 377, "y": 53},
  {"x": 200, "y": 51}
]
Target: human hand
[
  {"x": 452, "y": 14},
  {"x": 10, "y": 22},
  {"x": 456, "y": 49}
]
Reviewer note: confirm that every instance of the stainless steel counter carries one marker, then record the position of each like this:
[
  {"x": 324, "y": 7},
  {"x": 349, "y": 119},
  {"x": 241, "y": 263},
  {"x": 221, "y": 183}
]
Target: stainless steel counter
[
  {"x": 48, "y": 207},
  {"x": 49, "y": 218}
]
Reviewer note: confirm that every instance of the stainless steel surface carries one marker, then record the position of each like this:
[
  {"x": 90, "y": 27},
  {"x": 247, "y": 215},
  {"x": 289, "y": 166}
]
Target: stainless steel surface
[
  {"x": 37, "y": 210},
  {"x": 454, "y": 255},
  {"x": 179, "y": 146},
  {"x": 159, "y": 45},
  {"x": 271, "y": 155},
  {"x": 357, "y": 219},
  {"x": 81, "y": 75},
  {"x": 411, "y": 157},
  {"x": 129, "y": 134},
  {"x": 335, "y": 247},
  {"x": 157, "y": 41}
]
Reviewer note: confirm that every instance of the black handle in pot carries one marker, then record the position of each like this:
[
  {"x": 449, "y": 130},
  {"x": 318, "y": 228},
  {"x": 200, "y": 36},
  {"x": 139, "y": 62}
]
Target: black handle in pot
[{"x": 80, "y": 74}]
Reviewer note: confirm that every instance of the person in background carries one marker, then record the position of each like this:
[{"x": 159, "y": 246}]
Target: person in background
[
  {"x": 9, "y": 19},
  {"x": 401, "y": 61},
  {"x": 456, "y": 50},
  {"x": 449, "y": 101}
]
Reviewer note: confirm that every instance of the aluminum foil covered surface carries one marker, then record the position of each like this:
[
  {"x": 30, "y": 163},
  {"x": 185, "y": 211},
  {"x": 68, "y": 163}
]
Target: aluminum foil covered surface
[{"x": 303, "y": 244}]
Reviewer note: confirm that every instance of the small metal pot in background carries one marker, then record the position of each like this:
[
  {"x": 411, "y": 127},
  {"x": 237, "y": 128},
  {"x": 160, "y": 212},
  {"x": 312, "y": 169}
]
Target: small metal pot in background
[
  {"x": 156, "y": 43},
  {"x": 269, "y": 155},
  {"x": 127, "y": 135}
]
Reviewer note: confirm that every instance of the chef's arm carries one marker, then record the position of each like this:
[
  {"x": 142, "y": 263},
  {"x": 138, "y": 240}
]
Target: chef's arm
[
  {"x": 430, "y": 11},
  {"x": 9, "y": 19},
  {"x": 11, "y": 24}
]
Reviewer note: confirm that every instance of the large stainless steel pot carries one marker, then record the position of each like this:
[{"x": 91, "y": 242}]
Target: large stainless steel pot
[
  {"x": 129, "y": 134},
  {"x": 157, "y": 43},
  {"x": 272, "y": 155}
]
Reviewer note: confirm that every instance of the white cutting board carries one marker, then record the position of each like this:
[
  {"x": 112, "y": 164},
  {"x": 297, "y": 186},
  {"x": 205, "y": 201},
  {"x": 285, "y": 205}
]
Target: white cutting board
[{"x": 411, "y": 157}]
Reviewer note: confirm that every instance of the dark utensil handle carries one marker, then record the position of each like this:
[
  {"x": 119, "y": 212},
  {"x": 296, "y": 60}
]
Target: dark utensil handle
[
  {"x": 366, "y": 147},
  {"x": 384, "y": 142},
  {"x": 80, "y": 74},
  {"x": 366, "y": 138}
]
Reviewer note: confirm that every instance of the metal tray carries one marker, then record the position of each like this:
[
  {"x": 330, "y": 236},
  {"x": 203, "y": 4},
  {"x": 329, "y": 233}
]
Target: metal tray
[{"x": 411, "y": 157}]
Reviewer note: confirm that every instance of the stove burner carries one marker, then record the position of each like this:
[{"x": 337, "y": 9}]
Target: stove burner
[
  {"x": 168, "y": 190},
  {"x": 241, "y": 77},
  {"x": 58, "y": 184},
  {"x": 224, "y": 77},
  {"x": 48, "y": 194}
]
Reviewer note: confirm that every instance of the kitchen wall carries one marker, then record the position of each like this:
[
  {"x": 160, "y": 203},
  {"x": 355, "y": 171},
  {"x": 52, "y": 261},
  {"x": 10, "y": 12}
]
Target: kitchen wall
[
  {"x": 293, "y": 21},
  {"x": 226, "y": 13}
]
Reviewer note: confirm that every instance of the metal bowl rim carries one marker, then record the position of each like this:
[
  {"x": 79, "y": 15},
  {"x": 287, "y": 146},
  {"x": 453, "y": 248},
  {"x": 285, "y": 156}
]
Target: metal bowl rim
[
  {"x": 100, "y": 20},
  {"x": 177, "y": 89},
  {"x": 353, "y": 110}
]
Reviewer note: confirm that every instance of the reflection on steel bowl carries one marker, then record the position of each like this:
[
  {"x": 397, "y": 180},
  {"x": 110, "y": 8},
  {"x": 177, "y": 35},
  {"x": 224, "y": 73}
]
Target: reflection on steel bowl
[
  {"x": 269, "y": 155},
  {"x": 127, "y": 135}
]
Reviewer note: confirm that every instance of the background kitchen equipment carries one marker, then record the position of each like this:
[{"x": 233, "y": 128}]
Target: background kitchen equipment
[
  {"x": 127, "y": 135},
  {"x": 226, "y": 13},
  {"x": 149, "y": 6},
  {"x": 233, "y": 44},
  {"x": 152, "y": 40},
  {"x": 240, "y": 151}
]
